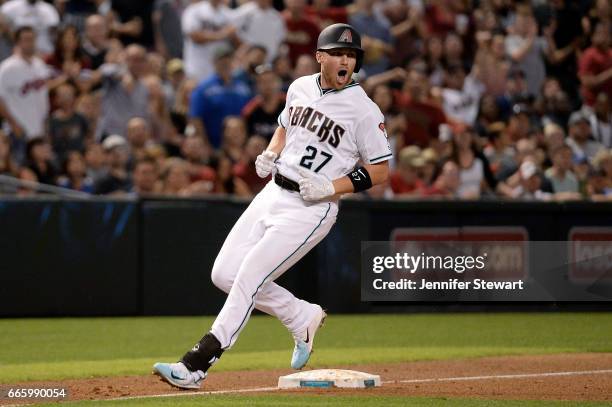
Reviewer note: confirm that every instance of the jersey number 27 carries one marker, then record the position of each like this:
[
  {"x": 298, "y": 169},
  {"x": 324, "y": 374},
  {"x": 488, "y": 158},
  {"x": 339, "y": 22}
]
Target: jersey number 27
[{"x": 311, "y": 153}]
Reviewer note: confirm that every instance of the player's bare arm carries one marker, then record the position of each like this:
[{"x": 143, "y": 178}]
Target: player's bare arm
[{"x": 277, "y": 143}]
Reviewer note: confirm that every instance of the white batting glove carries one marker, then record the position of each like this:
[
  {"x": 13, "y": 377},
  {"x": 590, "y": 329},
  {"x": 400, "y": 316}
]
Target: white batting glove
[
  {"x": 314, "y": 187},
  {"x": 264, "y": 164}
]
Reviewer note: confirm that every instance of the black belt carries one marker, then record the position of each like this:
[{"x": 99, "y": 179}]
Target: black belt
[{"x": 286, "y": 183}]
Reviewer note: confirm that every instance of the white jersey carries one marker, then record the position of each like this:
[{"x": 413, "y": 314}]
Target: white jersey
[
  {"x": 41, "y": 16},
  {"x": 199, "y": 57},
  {"x": 328, "y": 132},
  {"x": 261, "y": 26},
  {"x": 23, "y": 90},
  {"x": 462, "y": 105}
]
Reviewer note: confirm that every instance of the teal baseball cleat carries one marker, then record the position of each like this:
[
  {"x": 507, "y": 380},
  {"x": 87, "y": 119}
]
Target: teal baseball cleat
[
  {"x": 304, "y": 342},
  {"x": 178, "y": 375}
]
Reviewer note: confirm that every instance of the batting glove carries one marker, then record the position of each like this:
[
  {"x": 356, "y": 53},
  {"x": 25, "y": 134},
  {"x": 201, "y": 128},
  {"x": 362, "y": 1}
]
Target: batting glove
[
  {"x": 264, "y": 164},
  {"x": 314, "y": 187}
]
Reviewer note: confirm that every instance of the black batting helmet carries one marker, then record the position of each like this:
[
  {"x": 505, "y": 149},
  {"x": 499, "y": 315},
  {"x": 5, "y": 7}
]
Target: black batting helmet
[{"x": 341, "y": 36}]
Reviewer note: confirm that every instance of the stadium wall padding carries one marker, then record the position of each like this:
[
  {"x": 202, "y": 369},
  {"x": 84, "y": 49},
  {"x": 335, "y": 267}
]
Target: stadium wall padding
[{"x": 153, "y": 256}]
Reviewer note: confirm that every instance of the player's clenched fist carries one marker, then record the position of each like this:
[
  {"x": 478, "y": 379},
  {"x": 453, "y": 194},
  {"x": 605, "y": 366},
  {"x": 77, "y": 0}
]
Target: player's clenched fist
[
  {"x": 264, "y": 164},
  {"x": 314, "y": 187}
]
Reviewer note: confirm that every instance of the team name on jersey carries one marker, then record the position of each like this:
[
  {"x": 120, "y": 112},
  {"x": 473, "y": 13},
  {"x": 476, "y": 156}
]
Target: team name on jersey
[
  {"x": 314, "y": 121},
  {"x": 33, "y": 85}
]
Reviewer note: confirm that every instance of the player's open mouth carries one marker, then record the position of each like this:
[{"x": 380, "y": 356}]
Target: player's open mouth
[{"x": 342, "y": 75}]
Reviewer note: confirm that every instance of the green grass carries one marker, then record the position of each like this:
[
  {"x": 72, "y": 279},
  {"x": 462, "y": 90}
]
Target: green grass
[
  {"x": 41, "y": 349},
  {"x": 366, "y": 401}
]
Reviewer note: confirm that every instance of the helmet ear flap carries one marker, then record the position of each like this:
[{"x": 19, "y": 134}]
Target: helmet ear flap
[{"x": 359, "y": 61}]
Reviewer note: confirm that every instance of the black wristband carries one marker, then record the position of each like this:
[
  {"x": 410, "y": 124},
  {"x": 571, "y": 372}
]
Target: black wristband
[{"x": 361, "y": 179}]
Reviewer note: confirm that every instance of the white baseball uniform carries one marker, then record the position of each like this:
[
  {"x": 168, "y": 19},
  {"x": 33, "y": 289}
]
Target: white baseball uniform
[
  {"x": 199, "y": 58},
  {"x": 23, "y": 89},
  {"x": 327, "y": 132}
]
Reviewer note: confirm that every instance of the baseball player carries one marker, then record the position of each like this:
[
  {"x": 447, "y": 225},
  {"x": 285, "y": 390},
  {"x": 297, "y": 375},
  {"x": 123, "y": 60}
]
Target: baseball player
[{"x": 328, "y": 125}]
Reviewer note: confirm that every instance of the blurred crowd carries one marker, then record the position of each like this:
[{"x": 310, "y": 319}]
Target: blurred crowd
[{"x": 482, "y": 99}]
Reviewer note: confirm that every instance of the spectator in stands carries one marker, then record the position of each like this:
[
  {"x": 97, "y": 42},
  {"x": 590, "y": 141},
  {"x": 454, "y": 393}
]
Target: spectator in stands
[
  {"x": 162, "y": 128},
  {"x": 7, "y": 165},
  {"x": 376, "y": 36},
  {"x": 95, "y": 160},
  {"x": 283, "y": 68},
  {"x": 262, "y": 111},
  {"x": 37, "y": 14},
  {"x": 245, "y": 169},
  {"x": 601, "y": 120},
  {"x": 199, "y": 159},
  {"x": 68, "y": 58},
  {"x": 68, "y": 129},
  {"x": 206, "y": 29},
  {"x": 564, "y": 36},
  {"x": 430, "y": 166},
  {"x": 254, "y": 56},
  {"x": 227, "y": 182},
  {"x": 138, "y": 138},
  {"x": 499, "y": 151},
  {"x": 553, "y": 104},
  {"x": 554, "y": 137},
  {"x": 166, "y": 19},
  {"x": 302, "y": 31},
  {"x": 447, "y": 183},
  {"x": 305, "y": 65},
  {"x": 525, "y": 148},
  {"x": 220, "y": 95},
  {"x": 409, "y": 32},
  {"x": 405, "y": 180},
  {"x": 560, "y": 175},
  {"x": 595, "y": 65},
  {"x": 526, "y": 49},
  {"x": 96, "y": 40},
  {"x": 475, "y": 176},
  {"x": 173, "y": 79},
  {"x": 234, "y": 138},
  {"x": 579, "y": 140},
  {"x": 74, "y": 174},
  {"x": 24, "y": 92},
  {"x": 132, "y": 22},
  {"x": 454, "y": 51},
  {"x": 440, "y": 17},
  {"x": 491, "y": 65},
  {"x": 601, "y": 188},
  {"x": 324, "y": 14},
  {"x": 75, "y": 12},
  {"x": 259, "y": 23},
  {"x": 488, "y": 114},
  {"x": 40, "y": 160},
  {"x": 180, "y": 110},
  {"x": 519, "y": 122},
  {"x": 422, "y": 116},
  {"x": 516, "y": 93},
  {"x": 124, "y": 95},
  {"x": 118, "y": 179},
  {"x": 433, "y": 54},
  {"x": 145, "y": 177},
  {"x": 175, "y": 177},
  {"x": 530, "y": 186},
  {"x": 395, "y": 123},
  {"x": 461, "y": 95},
  {"x": 27, "y": 175}
]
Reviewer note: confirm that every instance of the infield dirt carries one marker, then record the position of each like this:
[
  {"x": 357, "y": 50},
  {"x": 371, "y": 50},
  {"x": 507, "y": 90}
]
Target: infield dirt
[{"x": 590, "y": 386}]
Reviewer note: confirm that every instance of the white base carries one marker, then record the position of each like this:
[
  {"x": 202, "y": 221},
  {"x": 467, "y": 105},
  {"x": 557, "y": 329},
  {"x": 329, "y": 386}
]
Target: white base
[{"x": 323, "y": 378}]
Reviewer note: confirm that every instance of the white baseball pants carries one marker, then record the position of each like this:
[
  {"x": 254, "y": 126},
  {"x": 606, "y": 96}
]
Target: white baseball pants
[{"x": 276, "y": 230}]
